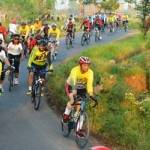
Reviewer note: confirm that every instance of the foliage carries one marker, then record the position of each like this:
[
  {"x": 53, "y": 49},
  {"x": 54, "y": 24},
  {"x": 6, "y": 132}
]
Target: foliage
[
  {"x": 121, "y": 118},
  {"x": 29, "y": 9},
  {"x": 109, "y": 5}
]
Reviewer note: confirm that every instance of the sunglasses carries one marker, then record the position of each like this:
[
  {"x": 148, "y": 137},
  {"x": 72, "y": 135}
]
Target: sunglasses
[{"x": 16, "y": 39}]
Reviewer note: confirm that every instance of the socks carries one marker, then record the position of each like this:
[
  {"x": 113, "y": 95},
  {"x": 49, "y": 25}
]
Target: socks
[
  {"x": 30, "y": 88},
  {"x": 67, "y": 111}
]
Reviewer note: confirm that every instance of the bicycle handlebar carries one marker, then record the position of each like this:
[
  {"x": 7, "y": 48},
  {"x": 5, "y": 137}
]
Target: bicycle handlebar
[{"x": 95, "y": 101}]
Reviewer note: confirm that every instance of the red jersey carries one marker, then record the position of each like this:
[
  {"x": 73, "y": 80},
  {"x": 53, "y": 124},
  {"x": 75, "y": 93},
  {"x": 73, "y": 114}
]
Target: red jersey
[{"x": 98, "y": 22}]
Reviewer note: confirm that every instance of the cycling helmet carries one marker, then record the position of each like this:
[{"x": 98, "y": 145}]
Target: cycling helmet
[
  {"x": 84, "y": 60},
  {"x": 100, "y": 148},
  {"x": 42, "y": 42},
  {"x": 23, "y": 23},
  {"x": 16, "y": 36},
  {"x": 54, "y": 25}
]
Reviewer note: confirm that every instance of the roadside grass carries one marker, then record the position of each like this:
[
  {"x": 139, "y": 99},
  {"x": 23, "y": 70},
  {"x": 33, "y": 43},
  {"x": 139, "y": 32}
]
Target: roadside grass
[{"x": 122, "y": 116}]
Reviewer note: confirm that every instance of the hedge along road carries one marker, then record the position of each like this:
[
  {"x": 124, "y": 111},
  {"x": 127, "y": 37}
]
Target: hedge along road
[{"x": 22, "y": 128}]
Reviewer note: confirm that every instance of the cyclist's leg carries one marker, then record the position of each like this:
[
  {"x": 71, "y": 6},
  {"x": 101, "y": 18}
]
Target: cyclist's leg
[
  {"x": 17, "y": 65},
  {"x": 69, "y": 93},
  {"x": 30, "y": 78}
]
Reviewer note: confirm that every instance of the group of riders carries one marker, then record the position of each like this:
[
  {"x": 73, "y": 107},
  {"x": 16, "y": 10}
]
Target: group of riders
[{"x": 40, "y": 42}]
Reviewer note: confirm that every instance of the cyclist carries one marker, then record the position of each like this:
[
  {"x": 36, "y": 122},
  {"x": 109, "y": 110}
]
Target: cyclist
[
  {"x": 24, "y": 30},
  {"x": 54, "y": 34},
  {"x": 125, "y": 19},
  {"x": 98, "y": 24},
  {"x": 37, "y": 26},
  {"x": 15, "y": 51},
  {"x": 71, "y": 17},
  {"x": 87, "y": 25},
  {"x": 3, "y": 61},
  {"x": 111, "y": 21},
  {"x": 70, "y": 27},
  {"x": 38, "y": 61},
  {"x": 80, "y": 75},
  {"x": 45, "y": 30},
  {"x": 3, "y": 32},
  {"x": 24, "y": 33}
]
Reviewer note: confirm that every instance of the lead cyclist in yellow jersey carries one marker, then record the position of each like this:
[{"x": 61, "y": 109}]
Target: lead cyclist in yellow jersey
[
  {"x": 80, "y": 76},
  {"x": 38, "y": 61}
]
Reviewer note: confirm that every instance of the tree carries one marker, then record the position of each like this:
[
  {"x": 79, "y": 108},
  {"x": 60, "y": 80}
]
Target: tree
[
  {"x": 109, "y": 5},
  {"x": 143, "y": 8}
]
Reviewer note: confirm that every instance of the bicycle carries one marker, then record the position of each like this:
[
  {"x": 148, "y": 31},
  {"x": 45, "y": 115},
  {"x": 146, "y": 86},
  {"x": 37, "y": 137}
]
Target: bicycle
[
  {"x": 52, "y": 46},
  {"x": 11, "y": 76},
  {"x": 125, "y": 25},
  {"x": 86, "y": 38},
  {"x": 37, "y": 87},
  {"x": 69, "y": 40},
  {"x": 97, "y": 35},
  {"x": 80, "y": 122}
]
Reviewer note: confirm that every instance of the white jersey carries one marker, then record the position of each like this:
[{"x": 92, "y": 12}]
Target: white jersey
[
  {"x": 13, "y": 28},
  {"x": 3, "y": 56},
  {"x": 14, "y": 49}
]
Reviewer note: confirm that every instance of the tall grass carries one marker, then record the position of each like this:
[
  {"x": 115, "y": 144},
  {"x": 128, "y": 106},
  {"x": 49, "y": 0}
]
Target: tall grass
[{"x": 120, "y": 118}]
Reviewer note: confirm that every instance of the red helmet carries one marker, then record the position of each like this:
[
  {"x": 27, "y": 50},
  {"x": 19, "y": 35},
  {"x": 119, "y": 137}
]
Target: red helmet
[
  {"x": 100, "y": 148},
  {"x": 84, "y": 60}
]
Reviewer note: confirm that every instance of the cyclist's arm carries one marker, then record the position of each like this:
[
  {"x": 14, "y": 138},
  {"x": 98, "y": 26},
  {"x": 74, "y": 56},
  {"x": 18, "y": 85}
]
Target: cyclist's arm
[
  {"x": 27, "y": 32},
  {"x": 72, "y": 80},
  {"x": 90, "y": 84},
  {"x": 31, "y": 58},
  {"x": 58, "y": 35}
]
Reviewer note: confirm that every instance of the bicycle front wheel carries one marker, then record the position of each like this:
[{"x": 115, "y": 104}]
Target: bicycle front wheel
[
  {"x": 83, "y": 40},
  {"x": 82, "y": 130},
  {"x": 11, "y": 80},
  {"x": 37, "y": 96}
]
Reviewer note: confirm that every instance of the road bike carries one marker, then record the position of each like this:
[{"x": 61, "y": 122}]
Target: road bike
[
  {"x": 69, "y": 40},
  {"x": 86, "y": 38},
  {"x": 97, "y": 34},
  {"x": 37, "y": 87},
  {"x": 125, "y": 25},
  {"x": 11, "y": 76},
  {"x": 52, "y": 44},
  {"x": 80, "y": 122}
]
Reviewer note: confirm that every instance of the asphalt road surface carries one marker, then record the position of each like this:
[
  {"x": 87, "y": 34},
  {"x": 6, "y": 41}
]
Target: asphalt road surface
[{"x": 22, "y": 128}]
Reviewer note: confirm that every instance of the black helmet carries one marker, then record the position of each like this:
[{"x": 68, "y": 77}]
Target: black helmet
[
  {"x": 16, "y": 36},
  {"x": 42, "y": 42}
]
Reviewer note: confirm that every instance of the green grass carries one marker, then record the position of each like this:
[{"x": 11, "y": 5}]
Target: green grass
[{"x": 118, "y": 117}]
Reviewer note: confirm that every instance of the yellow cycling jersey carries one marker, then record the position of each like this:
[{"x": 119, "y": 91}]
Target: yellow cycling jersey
[
  {"x": 37, "y": 26},
  {"x": 111, "y": 19},
  {"x": 54, "y": 33},
  {"x": 125, "y": 17},
  {"x": 77, "y": 77},
  {"x": 38, "y": 57},
  {"x": 24, "y": 31}
]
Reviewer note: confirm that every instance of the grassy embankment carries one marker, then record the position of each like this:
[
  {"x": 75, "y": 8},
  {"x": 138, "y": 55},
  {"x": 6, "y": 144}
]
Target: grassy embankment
[{"x": 122, "y": 117}]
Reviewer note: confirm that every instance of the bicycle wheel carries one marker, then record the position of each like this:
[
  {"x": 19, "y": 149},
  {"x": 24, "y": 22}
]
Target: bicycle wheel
[
  {"x": 37, "y": 96},
  {"x": 83, "y": 126},
  {"x": 88, "y": 39},
  {"x": 11, "y": 80},
  {"x": 67, "y": 41},
  {"x": 66, "y": 128},
  {"x": 83, "y": 40},
  {"x": 96, "y": 36}
]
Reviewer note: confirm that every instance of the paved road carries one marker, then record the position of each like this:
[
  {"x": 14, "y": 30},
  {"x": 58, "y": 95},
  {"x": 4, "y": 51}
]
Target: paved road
[{"x": 21, "y": 128}]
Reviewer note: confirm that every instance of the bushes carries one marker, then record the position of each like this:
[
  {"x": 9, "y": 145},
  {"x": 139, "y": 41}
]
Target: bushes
[{"x": 121, "y": 118}]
